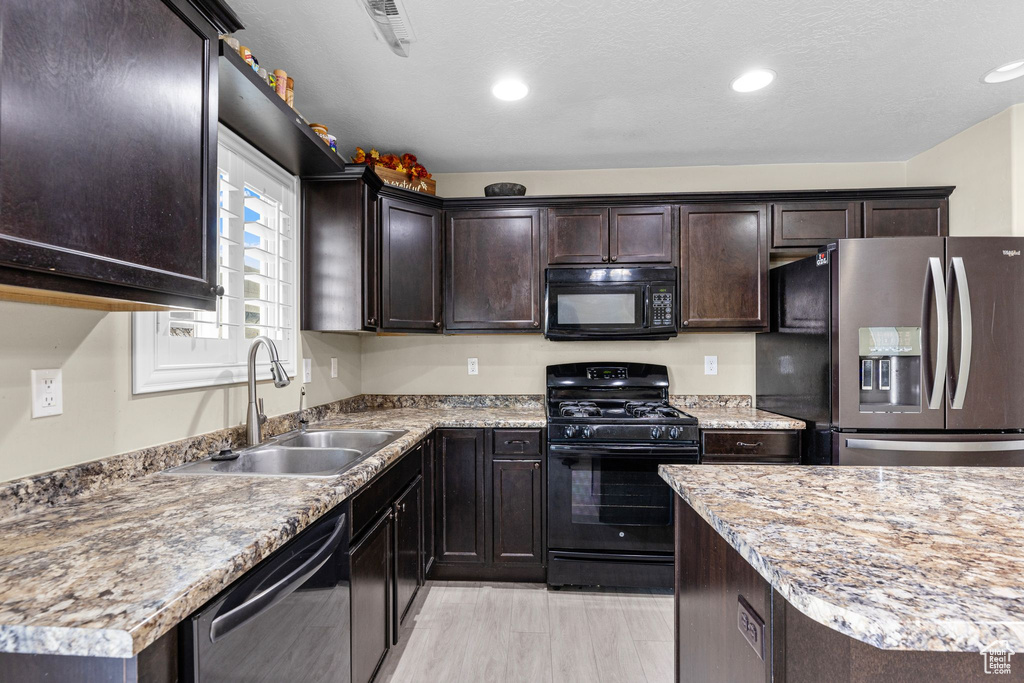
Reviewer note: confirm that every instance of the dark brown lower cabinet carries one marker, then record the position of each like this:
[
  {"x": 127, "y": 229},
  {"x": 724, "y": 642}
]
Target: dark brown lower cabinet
[
  {"x": 460, "y": 496},
  {"x": 489, "y": 505},
  {"x": 518, "y": 510},
  {"x": 732, "y": 627},
  {"x": 408, "y": 512},
  {"x": 371, "y": 599}
]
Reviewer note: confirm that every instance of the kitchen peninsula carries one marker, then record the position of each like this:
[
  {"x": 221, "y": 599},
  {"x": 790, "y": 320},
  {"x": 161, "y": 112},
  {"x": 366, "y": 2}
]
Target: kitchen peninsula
[{"x": 851, "y": 573}]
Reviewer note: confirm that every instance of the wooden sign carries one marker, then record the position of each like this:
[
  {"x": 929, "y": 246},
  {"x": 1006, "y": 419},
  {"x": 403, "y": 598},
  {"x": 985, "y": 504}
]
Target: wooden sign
[{"x": 405, "y": 181}]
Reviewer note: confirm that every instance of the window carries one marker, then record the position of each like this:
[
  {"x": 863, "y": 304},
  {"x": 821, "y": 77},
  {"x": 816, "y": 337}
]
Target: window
[{"x": 256, "y": 266}]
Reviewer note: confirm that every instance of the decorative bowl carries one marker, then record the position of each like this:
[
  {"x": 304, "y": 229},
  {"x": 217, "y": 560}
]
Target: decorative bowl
[{"x": 505, "y": 190}]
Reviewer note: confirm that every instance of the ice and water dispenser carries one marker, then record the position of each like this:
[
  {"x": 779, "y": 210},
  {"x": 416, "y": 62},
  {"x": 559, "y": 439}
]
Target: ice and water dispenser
[{"x": 890, "y": 369}]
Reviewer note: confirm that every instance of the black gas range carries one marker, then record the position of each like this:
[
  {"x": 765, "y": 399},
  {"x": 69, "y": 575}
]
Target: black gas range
[{"x": 610, "y": 515}]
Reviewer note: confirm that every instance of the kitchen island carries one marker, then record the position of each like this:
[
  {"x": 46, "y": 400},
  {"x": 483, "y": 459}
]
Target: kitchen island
[{"x": 853, "y": 573}]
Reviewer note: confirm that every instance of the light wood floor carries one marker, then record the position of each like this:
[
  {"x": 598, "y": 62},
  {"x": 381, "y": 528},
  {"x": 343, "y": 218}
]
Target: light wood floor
[{"x": 476, "y": 632}]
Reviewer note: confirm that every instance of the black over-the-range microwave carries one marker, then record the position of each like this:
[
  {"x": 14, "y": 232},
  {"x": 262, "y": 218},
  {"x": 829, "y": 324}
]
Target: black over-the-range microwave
[{"x": 610, "y": 303}]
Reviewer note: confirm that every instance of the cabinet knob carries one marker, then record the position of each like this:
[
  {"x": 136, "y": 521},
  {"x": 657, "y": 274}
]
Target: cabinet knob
[
  {"x": 685, "y": 323},
  {"x": 372, "y": 321},
  {"x": 438, "y": 324},
  {"x": 536, "y": 465},
  {"x": 536, "y": 324},
  {"x": 615, "y": 258},
  {"x": 217, "y": 291},
  {"x": 604, "y": 259}
]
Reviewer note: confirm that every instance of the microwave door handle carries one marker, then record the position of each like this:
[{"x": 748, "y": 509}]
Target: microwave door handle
[
  {"x": 942, "y": 327},
  {"x": 966, "y": 333},
  {"x": 647, "y": 306}
]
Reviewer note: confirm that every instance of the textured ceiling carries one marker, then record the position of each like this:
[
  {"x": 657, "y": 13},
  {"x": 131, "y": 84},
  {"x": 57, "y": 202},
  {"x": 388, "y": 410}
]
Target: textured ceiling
[{"x": 638, "y": 83}]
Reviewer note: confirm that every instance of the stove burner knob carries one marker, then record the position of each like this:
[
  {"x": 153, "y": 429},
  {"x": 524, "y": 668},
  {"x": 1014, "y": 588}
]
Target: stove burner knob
[
  {"x": 570, "y": 431},
  {"x": 656, "y": 432},
  {"x": 673, "y": 433},
  {"x": 586, "y": 433}
]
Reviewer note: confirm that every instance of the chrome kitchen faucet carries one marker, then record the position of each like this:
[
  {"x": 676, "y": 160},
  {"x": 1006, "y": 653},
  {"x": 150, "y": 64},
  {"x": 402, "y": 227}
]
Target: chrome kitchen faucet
[{"x": 255, "y": 416}]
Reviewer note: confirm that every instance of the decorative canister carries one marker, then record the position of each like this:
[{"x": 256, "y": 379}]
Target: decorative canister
[
  {"x": 333, "y": 143},
  {"x": 320, "y": 129},
  {"x": 231, "y": 42},
  {"x": 282, "y": 83},
  {"x": 262, "y": 73},
  {"x": 271, "y": 81},
  {"x": 246, "y": 54},
  {"x": 290, "y": 93}
]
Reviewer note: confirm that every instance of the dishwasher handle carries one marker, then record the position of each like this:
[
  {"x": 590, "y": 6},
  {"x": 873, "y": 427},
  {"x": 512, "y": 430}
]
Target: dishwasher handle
[{"x": 264, "y": 600}]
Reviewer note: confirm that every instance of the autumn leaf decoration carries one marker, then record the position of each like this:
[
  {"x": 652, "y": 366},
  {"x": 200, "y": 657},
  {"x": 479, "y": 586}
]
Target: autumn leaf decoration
[{"x": 406, "y": 163}]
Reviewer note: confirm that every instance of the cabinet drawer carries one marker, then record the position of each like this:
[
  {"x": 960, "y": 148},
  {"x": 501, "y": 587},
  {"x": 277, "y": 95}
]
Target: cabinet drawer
[
  {"x": 766, "y": 447},
  {"x": 516, "y": 442},
  {"x": 378, "y": 495}
]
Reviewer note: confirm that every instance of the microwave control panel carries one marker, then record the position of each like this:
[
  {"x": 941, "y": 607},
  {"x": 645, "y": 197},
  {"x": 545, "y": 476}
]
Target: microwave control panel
[{"x": 662, "y": 310}]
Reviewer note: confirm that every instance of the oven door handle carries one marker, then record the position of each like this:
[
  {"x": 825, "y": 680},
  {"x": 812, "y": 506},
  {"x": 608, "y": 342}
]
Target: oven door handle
[{"x": 604, "y": 450}]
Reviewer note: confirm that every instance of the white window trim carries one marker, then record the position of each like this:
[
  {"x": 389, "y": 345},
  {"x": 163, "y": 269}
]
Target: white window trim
[{"x": 148, "y": 376}]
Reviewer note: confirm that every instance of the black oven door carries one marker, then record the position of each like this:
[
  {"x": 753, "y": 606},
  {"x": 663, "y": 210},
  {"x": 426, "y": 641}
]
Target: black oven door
[
  {"x": 603, "y": 310},
  {"x": 611, "y": 497}
]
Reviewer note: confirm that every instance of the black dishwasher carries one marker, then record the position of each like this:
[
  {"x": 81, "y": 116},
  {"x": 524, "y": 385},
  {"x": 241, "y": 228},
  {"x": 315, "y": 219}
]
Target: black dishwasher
[{"x": 287, "y": 620}]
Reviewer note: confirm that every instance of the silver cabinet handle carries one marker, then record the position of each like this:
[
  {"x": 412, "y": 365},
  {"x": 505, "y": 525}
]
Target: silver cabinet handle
[
  {"x": 942, "y": 326},
  {"x": 966, "y": 333},
  {"x": 742, "y": 444},
  {"x": 938, "y": 446}
]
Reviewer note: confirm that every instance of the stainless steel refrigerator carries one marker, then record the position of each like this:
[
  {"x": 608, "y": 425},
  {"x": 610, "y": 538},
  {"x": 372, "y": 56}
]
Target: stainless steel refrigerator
[{"x": 900, "y": 351}]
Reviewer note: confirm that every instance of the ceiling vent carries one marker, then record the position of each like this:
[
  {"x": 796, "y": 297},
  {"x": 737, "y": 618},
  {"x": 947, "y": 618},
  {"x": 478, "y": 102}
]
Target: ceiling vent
[{"x": 391, "y": 22}]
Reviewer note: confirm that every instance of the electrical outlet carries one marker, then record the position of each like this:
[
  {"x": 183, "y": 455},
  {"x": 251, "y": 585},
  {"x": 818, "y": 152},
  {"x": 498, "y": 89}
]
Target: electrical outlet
[
  {"x": 710, "y": 365},
  {"x": 473, "y": 366},
  {"x": 334, "y": 368},
  {"x": 307, "y": 370},
  {"x": 47, "y": 393}
]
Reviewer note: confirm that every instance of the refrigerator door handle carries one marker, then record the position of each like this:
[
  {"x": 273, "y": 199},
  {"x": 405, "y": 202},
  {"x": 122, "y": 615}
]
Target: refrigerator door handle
[
  {"x": 966, "y": 333},
  {"x": 942, "y": 326},
  {"x": 937, "y": 446}
]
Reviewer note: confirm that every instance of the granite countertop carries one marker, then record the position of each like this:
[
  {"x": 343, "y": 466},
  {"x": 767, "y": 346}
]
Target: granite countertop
[
  {"x": 109, "y": 572},
  {"x": 915, "y": 558},
  {"x": 731, "y": 417}
]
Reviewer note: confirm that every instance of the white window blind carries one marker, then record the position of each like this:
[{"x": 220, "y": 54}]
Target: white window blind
[{"x": 257, "y": 227}]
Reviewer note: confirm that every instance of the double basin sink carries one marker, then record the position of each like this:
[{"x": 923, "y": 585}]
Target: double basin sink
[{"x": 314, "y": 453}]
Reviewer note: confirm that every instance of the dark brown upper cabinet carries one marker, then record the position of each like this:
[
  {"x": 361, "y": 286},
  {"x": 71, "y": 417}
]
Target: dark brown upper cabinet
[
  {"x": 108, "y": 151},
  {"x": 906, "y": 218},
  {"x": 410, "y": 266},
  {"x": 627, "y": 234},
  {"x": 813, "y": 224},
  {"x": 640, "y": 234},
  {"x": 492, "y": 270},
  {"x": 337, "y": 222},
  {"x": 723, "y": 266},
  {"x": 577, "y": 235}
]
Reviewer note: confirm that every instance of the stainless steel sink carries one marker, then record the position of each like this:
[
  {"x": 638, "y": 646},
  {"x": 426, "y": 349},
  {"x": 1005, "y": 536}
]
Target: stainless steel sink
[
  {"x": 333, "y": 438},
  {"x": 321, "y": 453}
]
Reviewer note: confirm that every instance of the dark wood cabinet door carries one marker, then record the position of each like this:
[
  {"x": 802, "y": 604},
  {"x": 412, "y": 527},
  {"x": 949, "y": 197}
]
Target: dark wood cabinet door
[
  {"x": 371, "y": 599},
  {"x": 408, "y": 546},
  {"x": 460, "y": 496},
  {"x": 410, "y": 265},
  {"x": 428, "y": 504},
  {"x": 724, "y": 266},
  {"x": 108, "y": 149},
  {"x": 814, "y": 224},
  {"x": 518, "y": 510},
  {"x": 640, "y": 234},
  {"x": 906, "y": 218},
  {"x": 577, "y": 235},
  {"x": 492, "y": 270},
  {"x": 371, "y": 259},
  {"x": 332, "y": 234}
]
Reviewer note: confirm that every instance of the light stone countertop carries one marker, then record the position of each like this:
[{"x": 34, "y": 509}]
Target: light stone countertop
[
  {"x": 915, "y": 558},
  {"x": 108, "y": 573},
  {"x": 728, "y": 417}
]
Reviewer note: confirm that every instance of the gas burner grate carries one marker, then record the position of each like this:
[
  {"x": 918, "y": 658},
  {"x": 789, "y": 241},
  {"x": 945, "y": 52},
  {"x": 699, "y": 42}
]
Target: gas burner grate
[
  {"x": 647, "y": 409},
  {"x": 578, "y": 409}
]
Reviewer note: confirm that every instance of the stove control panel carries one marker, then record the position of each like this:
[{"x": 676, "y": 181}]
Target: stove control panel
[
  {"x": 607, "y": 373},
  {"x": 662, "y": 310}
]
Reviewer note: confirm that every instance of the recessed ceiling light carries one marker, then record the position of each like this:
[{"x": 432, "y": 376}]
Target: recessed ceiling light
[
  {"x": 510, "y": 89},
  {"x": 1006, "y": 72},
  {"x": 753, "y": 80}
]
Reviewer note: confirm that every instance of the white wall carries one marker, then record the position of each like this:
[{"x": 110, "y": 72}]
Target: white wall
[
  {"x": 101, "y": 417},
  {"x": 980, "y": 162}
]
